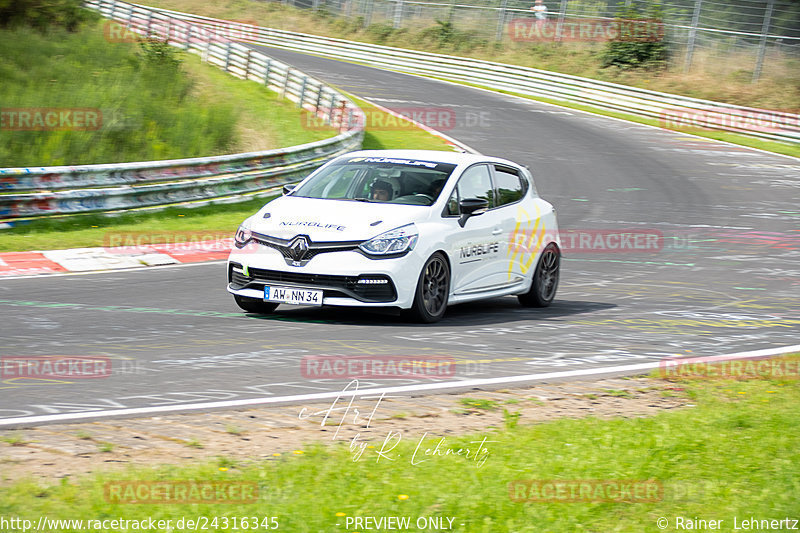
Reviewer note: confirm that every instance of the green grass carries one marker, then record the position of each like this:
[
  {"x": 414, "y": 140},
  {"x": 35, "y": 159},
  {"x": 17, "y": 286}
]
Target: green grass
[
  {"x": 479, "y": 403},
  {"x": 14, "y": 440},
  {"x": 144, "y": 109},
  {"x": 733, "y": 454},
  {"x": 400, "y": 138},
  {"x": 265, "y": 120},
  {"x": 96, "y": 229}
]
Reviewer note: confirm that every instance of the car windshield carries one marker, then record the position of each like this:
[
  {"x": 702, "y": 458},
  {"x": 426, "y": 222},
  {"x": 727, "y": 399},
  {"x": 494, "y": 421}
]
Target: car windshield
[{"x": 379, "y": 179}]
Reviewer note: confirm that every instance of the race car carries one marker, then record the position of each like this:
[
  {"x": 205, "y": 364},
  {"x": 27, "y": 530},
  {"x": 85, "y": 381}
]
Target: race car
[{"x": 408, "y": 229}]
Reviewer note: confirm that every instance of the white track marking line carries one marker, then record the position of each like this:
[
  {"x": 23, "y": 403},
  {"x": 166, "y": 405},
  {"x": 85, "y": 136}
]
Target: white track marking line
[{"x": 629, "y": 369}]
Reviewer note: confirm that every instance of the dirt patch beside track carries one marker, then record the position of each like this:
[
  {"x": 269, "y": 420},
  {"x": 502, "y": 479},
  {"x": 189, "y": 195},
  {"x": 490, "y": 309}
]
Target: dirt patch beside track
[{"x": 248, "y": 435}]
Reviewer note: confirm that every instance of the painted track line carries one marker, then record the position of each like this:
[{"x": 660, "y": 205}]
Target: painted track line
[{"x": 586, "y": 372}]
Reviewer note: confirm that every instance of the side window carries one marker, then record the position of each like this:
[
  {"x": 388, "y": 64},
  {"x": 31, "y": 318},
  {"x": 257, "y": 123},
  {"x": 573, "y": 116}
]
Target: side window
[
  {"x": 476, "y": 182},
  {"x": 509, "y": 186}
]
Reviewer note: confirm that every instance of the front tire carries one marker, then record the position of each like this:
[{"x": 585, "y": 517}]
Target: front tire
[
  {"x": 255, "y": 305},
  {"x": 545, "y": 279},
  {"x": 433, "y": 290}
]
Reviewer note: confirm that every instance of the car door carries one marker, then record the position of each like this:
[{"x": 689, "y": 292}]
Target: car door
[
  {"x": 477, "y": 250},
  {"x": 522, "y": 217}
]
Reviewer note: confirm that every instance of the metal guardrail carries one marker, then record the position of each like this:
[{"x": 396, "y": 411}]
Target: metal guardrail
[
  {"x": 43, "y": 191},
  {"x": 670, "y": 110}
]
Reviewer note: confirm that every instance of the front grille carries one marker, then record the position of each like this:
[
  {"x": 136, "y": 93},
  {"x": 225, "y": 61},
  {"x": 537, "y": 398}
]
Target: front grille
[
  {"x": 314, "y": 248},
  {"x": 333, "y": 286}
]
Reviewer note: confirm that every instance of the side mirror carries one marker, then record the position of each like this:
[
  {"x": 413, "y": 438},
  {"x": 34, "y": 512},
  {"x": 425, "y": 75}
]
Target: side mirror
[
  {"x": 471, "y": 207},
  {"x": 288, "y": 188}
]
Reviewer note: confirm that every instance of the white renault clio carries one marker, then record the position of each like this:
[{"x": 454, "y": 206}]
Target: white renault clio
[{"x": 414, "y": 230}]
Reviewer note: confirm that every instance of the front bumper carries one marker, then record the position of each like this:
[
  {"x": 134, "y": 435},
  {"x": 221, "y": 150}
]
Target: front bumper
[{"x": 346, "y": 278}]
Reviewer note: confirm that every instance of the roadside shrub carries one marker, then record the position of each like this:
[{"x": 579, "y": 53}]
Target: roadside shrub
[
  {"x": 159, "y": 53},
  {"x": 42, "y": 14},
  {"x": 636, "y": 54},
  {"x": 445, "y": 34}
]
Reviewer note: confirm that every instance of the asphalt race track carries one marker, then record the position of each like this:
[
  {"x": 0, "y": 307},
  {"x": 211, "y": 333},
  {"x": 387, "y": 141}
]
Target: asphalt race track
[{"x": 724, "y": 279}]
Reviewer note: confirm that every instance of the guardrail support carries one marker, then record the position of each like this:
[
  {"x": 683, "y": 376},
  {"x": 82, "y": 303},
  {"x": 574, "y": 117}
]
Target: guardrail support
[
  {"x": 319, "y": 99},
  {"x": 302, "y": 92},
  {"x": 398, "y": 14},
  {"x": 501, "y": 21},
  {"x": 762, "y": 43},
  {"x": 266, "y": 72},
  {"x": 692, "y": 35},
  {"x": 286, "y": 82},
  {"x": 247, "y": 65}
]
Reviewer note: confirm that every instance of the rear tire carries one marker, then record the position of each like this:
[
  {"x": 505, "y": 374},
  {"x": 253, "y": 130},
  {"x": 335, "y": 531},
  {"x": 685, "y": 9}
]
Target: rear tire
[
  {"x": 255, "y": 305},
  {"x": 545, "y": 279},
  {"x": 433, "y": 290}
]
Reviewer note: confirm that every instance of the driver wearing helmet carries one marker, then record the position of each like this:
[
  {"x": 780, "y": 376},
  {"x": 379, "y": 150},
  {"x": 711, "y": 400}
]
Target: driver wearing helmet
[{"x": 381, "y": 191}]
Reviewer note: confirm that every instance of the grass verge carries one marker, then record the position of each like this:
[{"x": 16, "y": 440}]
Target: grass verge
[
  {"x": 146, "y": 109},
  {"x": 142, "y": 109},
  {"x": 94, "y": 229},
  {"x": 732, "y": 454}
]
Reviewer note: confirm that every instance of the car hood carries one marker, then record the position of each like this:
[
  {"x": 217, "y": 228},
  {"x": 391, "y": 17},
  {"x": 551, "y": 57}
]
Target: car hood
[{"x": 332, "y": 220}]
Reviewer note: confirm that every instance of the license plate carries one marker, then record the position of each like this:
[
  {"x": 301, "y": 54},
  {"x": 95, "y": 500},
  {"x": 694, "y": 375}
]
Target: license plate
[{"x": 292, "y": 295}]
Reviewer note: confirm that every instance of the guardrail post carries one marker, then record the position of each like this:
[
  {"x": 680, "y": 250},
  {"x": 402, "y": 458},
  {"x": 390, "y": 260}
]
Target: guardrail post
[
  {"x": 319, "y": 99},
  {"x": 286, "y": 82},
  {"x": 266, "y": 72},
  {"x": 113, "y": 8},
  {"x": 398, "y": 14},
  {"x": 228, "y": 56},
  {"x": 367, "y": 14},
  {"x": 762, "y": 43},
  {"x": 331, "y": 106},
  {"x": 149, "y": 22},
  {"x": 130, "y": 16},
  {"x": 247, "y": 65},
  {"x": 188, "y": 36},
  {"x": 692, "y": 35},
  {"x": 302, "y": 91},
  {"x": 501, "y": 21},
  {"x": 561, "y": 15},
  {"x": 343, "y": 105}
]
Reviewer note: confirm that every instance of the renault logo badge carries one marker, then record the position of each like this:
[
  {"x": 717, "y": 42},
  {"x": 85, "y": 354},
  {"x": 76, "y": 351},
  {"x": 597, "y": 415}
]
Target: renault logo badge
[{"x": 298, "y": 247}]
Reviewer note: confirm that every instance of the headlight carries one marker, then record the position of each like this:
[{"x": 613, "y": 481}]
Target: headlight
[
  {"x": 243, "y": 235},
  {"x": 396, "y": 241}
]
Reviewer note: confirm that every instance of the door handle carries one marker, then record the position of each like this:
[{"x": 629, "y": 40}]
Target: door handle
[{"x": 497, "y": 231}]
